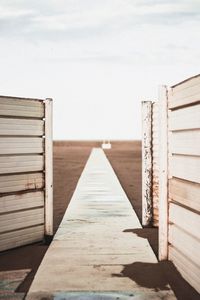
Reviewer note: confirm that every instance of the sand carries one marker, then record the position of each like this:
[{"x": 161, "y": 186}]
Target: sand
[{"x": 69, "y": 161}]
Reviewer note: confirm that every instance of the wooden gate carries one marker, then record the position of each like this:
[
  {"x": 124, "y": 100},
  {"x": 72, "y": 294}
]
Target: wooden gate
[{"x": 26, "y": 207}]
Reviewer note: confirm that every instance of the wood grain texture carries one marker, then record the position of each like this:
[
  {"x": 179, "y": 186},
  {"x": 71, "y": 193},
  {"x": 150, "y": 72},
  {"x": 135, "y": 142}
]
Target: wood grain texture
[
  {"x": 21, "y": 182},
  {"x": 20, "y": 164},
  {"x": 163, "y": 174},
  {"x": 185, "y": 142},
  {"x": 191, "y": 223},
  {"x": 189, "y": 270},
  {"x": 21, "y": 201},
  {"x": 185, "y": 118},
  {"x": 21, "y": 237},
  {"x": 20, "y": 107},
  {"x": 22, "y": 219},
  {"x": 146, "y": 163},
  {"x": 22, "y": 145},
  {"x": 20, "y": 127},
  {"x": 185, "y": 167},
  {"x": 185, "y": 192}
]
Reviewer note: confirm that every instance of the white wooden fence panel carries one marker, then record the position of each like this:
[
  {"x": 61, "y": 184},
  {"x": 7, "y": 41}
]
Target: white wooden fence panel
[
  {"x": 24, "y": 174},
  {"x": 184, "y": 179}
]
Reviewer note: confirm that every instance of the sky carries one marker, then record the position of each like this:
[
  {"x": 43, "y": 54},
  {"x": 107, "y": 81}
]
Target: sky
[{"x": 97, "y": 59}]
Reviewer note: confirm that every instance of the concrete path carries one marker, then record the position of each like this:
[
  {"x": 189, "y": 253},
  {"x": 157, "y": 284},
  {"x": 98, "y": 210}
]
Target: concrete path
[{"x": 95, "y": 253}]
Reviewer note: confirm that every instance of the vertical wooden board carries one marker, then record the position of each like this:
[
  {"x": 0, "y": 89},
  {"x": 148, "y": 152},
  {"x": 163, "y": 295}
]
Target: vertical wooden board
[
  {"x": 19, "y": 201},
  {"x": 48, "y": 167},
  {"x": 21, "y": 127},
  {"x": 185, "y": 192},
  {"x": 21, "y": 182},
  {"x": 163, "y": 174},
  {"x": 185, "y": 167},
  {"x": 185, "y": 142},
  {"x": 191, "y": 219},
  {"x": 185, "y": 118},
  {"x": 146, "y": 163},
  {"x": 21, "y": 107}
]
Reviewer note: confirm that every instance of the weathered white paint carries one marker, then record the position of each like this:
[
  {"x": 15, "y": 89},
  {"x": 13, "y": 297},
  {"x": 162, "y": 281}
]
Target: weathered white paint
[
  {"x": 147, "y": 207},
  {"x": 95, "y": 242},
  {"x": 163, "y": 174},
  {"x": 48, "y": 167}
]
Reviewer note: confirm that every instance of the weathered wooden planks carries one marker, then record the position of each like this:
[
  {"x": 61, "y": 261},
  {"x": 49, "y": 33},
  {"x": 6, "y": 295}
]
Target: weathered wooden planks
[
  {"x": 185, "y": 167},
  {"x": 19, "y": 107},
  {"x": 146, "y": 163},
  {"x": 22, "y": 145},
  {"x": 22, "y": 163},
  {"x": 21, "y": 219},
  {"x": 21, "y": 127},
  {"x": 21, "y": 201},
  {"x": 185, "y": 118},
  {"x": 21, "y": 182},
  {"x": 185, "y": 142},
  {"x": 21, "y": 237},
  {"x": 185, "y": 192},
  {"x": 185, "y": 93}
]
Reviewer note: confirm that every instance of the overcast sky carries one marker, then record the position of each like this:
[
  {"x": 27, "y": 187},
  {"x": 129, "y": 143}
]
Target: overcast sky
[{"x": 97, "y": 59}]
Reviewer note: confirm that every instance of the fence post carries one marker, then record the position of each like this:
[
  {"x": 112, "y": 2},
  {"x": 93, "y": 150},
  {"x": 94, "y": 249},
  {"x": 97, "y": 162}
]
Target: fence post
[
  {"x": 48, "y": 168},
  {"x": 147, "y": 209},
  {"x": 163, "y": 173}
]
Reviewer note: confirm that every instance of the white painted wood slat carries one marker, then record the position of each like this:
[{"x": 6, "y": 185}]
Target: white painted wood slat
[
  {"x": 22, "y": 145},
  {"x": 185, "y": 167},
  {"x": 185, "y": 118},
  {"x": 21, "y": 163},
  {"x": 26, "y": 127},
  {"x": 185, "y": 219},
  {"x": 21, "y": 107},
  {"x": 185, "y": 142},
  {"x": 21, "y": 237},
  {"x": 185, "y": 192},
  {"x": 21, "y": 201},
  {"x": 21, "y": 182},
  {"x": 16, "y": 220}
]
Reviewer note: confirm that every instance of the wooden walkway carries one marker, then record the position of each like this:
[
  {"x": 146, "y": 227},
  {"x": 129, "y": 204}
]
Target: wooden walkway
[{"x": 95, "y": 253}]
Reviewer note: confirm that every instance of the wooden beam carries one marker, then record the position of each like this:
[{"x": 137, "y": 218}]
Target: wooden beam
[
  {"x": 163, "y": 173},
  {"x": 48, "y": 168},
  {"x": 147, "y": 210}
]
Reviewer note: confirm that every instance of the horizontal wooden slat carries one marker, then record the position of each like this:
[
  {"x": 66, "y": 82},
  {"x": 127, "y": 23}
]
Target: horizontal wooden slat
[
  {"x": 21, "y": 237},
  {"x": 185, "y": 243},
  {"x": 189, "y": 270},
  {"x": 185, "y": 192},
  {"x": 16, "y": 220},
  {"x": 26, "y": 127},
  {"x": 185, "y": 142},
  {"x": 187, "y": 92},
  {"x": 21, "y": 182},
  {"x": 185, "y": 118},
  {"x": 24, "y": 163},
  {"x": 185, "y": 219},
  {"x": 185, "y": 167},
  {"x": 21, "y": 145},
  {"x": 21, "y": 201},
  {"x": 21, "y": 107}
]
